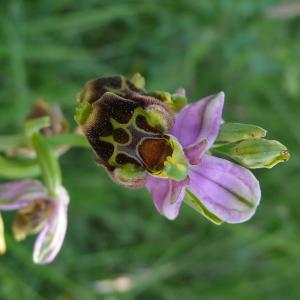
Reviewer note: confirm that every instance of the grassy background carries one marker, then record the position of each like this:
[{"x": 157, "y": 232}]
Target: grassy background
[{"x": 51, "y": 48}]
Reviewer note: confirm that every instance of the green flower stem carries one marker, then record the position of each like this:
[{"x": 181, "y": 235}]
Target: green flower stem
[
  {"x": 12, "y": 169},
  {"x": 14, "y": 141},
  {"x": 73, "y": 140},
  {"x": 48, "y": 163}
]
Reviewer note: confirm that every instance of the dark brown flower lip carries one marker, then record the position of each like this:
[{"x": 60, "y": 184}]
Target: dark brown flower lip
[{"x": 126, "y": 127}]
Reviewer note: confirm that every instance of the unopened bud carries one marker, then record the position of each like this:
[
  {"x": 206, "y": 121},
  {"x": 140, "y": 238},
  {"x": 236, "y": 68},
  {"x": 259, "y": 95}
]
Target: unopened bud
[
  {"x": 235, "y": 132},
  {"x": 256, "y": 153}
]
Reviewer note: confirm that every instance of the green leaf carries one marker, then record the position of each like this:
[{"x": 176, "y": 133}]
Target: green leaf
[
  {"x": 18, "y": 169},
  {"x": 195, "y": 203},
  {"x": 48, "y": 163},
  {"x": 234, "y": 132},
  {"x": 256, "y": 153}
]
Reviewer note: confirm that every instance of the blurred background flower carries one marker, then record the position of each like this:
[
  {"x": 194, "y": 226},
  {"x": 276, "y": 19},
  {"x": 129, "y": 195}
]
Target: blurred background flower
[{"x": 249, "y": 49}]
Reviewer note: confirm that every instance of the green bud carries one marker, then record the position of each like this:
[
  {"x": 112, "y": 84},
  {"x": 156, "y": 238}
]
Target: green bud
[
  {"x": 256, "y": 153},
  {"x": 234, "y": 132},
  {"x": 195, "y": 203}
]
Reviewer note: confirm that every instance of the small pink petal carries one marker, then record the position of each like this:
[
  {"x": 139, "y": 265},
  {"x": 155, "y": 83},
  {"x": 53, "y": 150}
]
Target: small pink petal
[
  {"x": 167, "y": 195},
  {"x": 195, "y": 152},
  {"x": 199, "y": 121}
]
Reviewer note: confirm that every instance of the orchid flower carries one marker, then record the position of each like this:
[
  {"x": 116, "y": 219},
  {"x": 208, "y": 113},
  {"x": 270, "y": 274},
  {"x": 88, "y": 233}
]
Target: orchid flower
[
  {"x": 154, "y": 140},
  {"x": 37, "y": 213}
]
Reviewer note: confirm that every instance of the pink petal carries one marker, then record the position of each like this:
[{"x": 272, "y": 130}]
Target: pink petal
[
  {"x": 195, "y": 152},
  {"x": 167, "y": 195},
  {"x": 50, "y": 239},
  {"x": 229, "y": 191},
  {"x": 200, "y": 121},
  {"x": 18, "y": 194}
]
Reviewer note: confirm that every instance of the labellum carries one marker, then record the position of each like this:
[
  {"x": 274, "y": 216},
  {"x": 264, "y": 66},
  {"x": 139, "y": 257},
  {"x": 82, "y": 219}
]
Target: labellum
[
  {"x": 129, "y": 131},
  {"x": 31, "y": 219}
]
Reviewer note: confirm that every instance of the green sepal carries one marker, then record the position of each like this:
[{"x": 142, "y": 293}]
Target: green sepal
[
  {"x": 256, "y": 153},
  {"x": 18, "y": 169},
  {"x": 82, "y": 112},
  {"x": 48, "y": 163},
  {"x": 195, "y": 203},
  {"x": 235, "y": 132}
]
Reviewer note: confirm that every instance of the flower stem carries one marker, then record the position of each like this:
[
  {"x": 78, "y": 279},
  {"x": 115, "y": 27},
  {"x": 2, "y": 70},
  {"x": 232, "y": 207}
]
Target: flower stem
[
  {"x": 73, "y": 140},
  {"x": 48, "y": 163}
]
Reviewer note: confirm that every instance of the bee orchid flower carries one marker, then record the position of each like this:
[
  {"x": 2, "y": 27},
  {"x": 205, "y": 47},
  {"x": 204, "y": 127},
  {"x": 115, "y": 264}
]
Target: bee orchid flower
[
  {"x": 37, "y": 213},
  {"x": 155, "y": 140}
]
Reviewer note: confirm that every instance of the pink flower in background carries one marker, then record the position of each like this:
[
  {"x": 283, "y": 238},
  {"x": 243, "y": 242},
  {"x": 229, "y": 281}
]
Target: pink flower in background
[
  {"x": 37, "y": 213},
  {"x": 225, "y": 189}
]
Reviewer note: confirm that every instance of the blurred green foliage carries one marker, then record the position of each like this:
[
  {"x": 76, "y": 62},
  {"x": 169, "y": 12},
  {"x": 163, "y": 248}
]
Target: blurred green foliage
[{"x": 51, "y": 48}]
